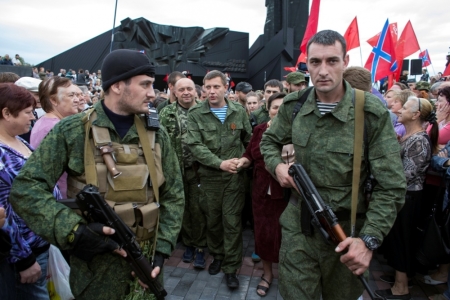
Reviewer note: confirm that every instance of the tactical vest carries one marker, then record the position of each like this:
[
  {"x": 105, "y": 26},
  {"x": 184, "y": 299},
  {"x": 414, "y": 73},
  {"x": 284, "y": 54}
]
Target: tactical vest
[{"x": 129, "y": 189}]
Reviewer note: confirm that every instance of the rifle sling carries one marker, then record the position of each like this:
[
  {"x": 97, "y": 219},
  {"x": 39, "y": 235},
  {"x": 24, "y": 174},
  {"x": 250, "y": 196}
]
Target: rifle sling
[{"x": 357, "y": 150}]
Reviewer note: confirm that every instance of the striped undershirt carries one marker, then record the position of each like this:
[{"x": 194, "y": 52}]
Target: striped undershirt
[
  {"x": 325, "y": 107},
  {"x": 221, "y": 113}
]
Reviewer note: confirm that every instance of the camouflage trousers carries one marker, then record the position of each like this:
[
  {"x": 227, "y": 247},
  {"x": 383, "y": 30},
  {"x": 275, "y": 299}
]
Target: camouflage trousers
[
  {"x": 309, "y": 267},
  {"x": 193, "y": 229},
  {"x": 224, "y": 200}
]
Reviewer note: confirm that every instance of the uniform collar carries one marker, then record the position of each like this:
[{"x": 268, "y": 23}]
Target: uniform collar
[
  {"x": 207, "y": 109},
  {"x": 340, "y": 112}
]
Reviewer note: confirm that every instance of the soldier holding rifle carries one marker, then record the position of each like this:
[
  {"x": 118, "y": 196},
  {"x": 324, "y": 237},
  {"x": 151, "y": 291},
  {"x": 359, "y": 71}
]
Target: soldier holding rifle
[
  {"x": 322, "y": 133},
  {"x": 76, "y": 146}
]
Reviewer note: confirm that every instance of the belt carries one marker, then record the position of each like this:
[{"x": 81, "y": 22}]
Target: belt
[{"x": 343, "y": 215}]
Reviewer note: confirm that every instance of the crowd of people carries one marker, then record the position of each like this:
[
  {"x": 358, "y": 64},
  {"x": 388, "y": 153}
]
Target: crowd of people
[{"x": 218, "y": 160}]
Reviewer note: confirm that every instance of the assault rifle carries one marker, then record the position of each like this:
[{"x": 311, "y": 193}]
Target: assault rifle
[
  {"x": 95, "y": 209},
  {"x": 322, "y": 216}
]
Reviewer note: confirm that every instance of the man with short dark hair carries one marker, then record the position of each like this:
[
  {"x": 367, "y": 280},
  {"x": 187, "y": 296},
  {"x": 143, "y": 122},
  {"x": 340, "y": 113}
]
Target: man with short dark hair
[
  {"x": 296, "y": 82},
  {"x": 261, "y": 115},
  {"x": 18, "y": 61},
  {"x": 241, "y": 91},
  {"x": 96, "y": 271},
  {"x": 218, "y": 131},
  {"x": 322, "y": 133},
  {"x": 171, "y": 80}
]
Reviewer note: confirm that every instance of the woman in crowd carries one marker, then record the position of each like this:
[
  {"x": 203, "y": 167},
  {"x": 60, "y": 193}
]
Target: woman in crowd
[
  {"x": 434, "y": 181},
  {"x": 23, "y": 273},
  {"x": 252, "y": 102},
  {"x": 59, "y": 98},
  {"x": 399, "y": 246},
  {"x": 267, "y": 199},
  {"x": 399, "y": 99}
]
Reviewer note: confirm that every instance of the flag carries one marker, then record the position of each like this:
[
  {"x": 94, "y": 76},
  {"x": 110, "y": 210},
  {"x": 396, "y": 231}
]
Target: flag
[
  {"x": 394, "y": 33},
  {"x": 407, "y": 44},
  {"x": 351, "y": 36},
  {"x": 311, "y": 27},
  {"x": 381, "y": 61},
  {"x": 425, "y": 56},
  {"x": 447, "y": 71},
  {"x": 290, "y": 69}
]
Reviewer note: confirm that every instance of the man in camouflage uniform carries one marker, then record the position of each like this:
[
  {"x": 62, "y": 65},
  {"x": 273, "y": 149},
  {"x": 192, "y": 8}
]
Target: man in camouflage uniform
[
  {"x": 296, "y": 81},
  {"x": 218, "y": 129},
  {"x": 128, "y": 77},
  {"x": 174, "y": 118},
  {"x": 261, "y": 115},
  {"x": 171, "y": 80},
  {"x": 323, "y": 142}
]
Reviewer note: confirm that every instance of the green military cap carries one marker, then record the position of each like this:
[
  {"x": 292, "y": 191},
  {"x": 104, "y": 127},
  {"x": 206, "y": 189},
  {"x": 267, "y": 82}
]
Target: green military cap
[
  {"x": 295, "y": 78},
  {"x": 423, "y": 85}
]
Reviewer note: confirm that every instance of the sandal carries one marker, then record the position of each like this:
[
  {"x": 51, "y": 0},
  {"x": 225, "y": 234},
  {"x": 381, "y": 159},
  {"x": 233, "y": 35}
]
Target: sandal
[{"x": 263, "y": 288}]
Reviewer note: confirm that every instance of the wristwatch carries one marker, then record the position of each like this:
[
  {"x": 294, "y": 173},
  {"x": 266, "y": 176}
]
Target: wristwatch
[{"x": 372, "y": 243}]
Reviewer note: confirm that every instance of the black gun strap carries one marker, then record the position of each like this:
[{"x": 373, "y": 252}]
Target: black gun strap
[{"x": 300, "y": 103}]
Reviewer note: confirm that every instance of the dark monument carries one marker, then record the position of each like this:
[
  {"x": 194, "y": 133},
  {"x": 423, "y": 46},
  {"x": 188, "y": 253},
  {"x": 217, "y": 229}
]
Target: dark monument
[
  {"x": 279, "y": 46},
  {"x": 198, "y": 50}
]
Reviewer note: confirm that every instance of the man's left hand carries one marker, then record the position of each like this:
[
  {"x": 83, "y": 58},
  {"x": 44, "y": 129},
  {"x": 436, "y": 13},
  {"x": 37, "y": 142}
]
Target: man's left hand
[{"x": 358, "y": 256}]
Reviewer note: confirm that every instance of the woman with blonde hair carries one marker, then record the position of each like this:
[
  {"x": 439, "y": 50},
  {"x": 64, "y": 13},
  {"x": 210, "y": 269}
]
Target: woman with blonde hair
[{"x": 417, "y": 147}]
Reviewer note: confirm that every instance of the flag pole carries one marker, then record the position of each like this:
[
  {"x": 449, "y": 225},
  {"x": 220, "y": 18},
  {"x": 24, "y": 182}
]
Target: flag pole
[{"x": 114, "y": 25}]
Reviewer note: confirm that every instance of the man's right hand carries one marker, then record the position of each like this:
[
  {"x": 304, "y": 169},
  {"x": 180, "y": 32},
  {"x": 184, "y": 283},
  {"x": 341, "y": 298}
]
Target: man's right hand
[
  {"x": 285, "y": 180},
  {"x": 32, "y": 274},
  {"x": 230, "y": 165},
  {"x": 92, "y": 239}
]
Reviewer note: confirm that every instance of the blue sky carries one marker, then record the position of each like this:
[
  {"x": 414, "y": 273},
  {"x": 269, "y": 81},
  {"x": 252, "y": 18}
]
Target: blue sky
[{"x": 38, "y": 30}]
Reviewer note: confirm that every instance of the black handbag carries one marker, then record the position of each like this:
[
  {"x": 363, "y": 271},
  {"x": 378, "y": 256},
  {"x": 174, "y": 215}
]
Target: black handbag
[{"x": 435, "y": 246}]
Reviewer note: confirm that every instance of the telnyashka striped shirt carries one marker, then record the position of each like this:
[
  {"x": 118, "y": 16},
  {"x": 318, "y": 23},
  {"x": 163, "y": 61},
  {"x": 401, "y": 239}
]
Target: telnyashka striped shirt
[
  {"x": 325, "y": 107},
  {"x": 221, "y": 113}
]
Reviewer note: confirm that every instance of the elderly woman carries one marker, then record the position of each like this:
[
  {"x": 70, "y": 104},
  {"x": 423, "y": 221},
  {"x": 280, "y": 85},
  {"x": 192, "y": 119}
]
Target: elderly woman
[
  {"x": 416, "y": 151},
  {"x": 59, "y": 98},
  {"x": 23, "y": 273},
  {"x": 267, "y": 199}
]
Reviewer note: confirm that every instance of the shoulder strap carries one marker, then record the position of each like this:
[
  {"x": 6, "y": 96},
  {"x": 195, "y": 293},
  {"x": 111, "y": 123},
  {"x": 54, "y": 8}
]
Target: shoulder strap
[
  {"x": 357, "y": 149},
  {"x": 300, "y": 103}
]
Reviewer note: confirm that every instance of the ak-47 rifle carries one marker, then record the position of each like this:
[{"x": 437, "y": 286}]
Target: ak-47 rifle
[
  {"x": 95, "y": 209},
  {"x": 322, "y": 216}
]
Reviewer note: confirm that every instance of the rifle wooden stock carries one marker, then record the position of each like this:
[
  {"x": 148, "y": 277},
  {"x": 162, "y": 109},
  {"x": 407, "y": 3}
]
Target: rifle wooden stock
[
  {"x": 94, "y": 208},
  {"x": 327, "y": 223}
]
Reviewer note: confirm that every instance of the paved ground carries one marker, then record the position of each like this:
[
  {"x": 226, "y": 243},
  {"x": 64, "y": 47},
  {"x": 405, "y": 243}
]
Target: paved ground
[{"x": 182, "y": 281}]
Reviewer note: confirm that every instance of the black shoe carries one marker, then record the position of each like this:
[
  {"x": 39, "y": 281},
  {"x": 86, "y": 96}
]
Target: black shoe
[
  {"x": 387, "y": 295},
  {"x": 188, "y": 254},
  {"x": 232, "y": 280},
  {"x": 391, "y": 279},
  {"x": 214, "y": 267},
  {"x": 199, "y": 262}
]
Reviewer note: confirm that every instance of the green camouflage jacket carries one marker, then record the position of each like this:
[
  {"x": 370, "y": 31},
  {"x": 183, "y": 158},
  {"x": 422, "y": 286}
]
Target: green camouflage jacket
[
  {"x": 261, "y": 115},
  {"x": 170, "y": 119},
  {"x": 210, "y": 141},
  {"x": 63, "y": 151},
  {"x": 324, "y": 146}
]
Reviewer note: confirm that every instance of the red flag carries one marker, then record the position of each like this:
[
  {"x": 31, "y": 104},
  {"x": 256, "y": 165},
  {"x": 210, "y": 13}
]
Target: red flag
[
  {"x": 425, "y": 56},
  {"x": 166, "y": 78},
  {"x": 351, "y": 36},
  {"x": 407, "y": 43},
  {"x": 381, "y": 61},
  {"x": 394, "y": 33},
  {"x": 311, "y": 27},
  {"x": 447, "y": 71},
  {"x": 290, "y": 69}
]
